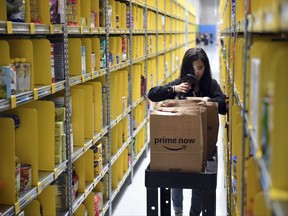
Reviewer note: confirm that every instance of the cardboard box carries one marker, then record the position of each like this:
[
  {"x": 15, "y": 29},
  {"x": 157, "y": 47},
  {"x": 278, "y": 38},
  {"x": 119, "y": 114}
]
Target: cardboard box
[
  {"x": 212, "y": 118},
  {"x": 203, "y": 112},
  {"x": 176, "y": 140}
]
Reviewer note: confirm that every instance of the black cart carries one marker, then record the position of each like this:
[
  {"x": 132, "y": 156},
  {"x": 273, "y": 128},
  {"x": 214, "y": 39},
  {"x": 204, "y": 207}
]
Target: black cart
[{"x": 206, "y": 181}]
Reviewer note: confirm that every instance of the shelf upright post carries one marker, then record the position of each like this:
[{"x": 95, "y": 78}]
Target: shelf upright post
[
  {"x": 130, "y": 89},
  {"x": 108, "y": 26},
  {"x": 68, "y": 116},
  {"x": 186, "y": 27},
  {"x": 170, "y": 40},
  {"x": 165, "y": 64},
  {"x": 231, "y": 100},
  {"x": 146, "y": 76},
  {"x": 157, "y": 41},
  {"x": 244, "y": 134}
]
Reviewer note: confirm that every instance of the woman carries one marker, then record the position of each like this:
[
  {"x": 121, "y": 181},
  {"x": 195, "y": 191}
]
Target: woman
[{"x": 195, "y": 62}]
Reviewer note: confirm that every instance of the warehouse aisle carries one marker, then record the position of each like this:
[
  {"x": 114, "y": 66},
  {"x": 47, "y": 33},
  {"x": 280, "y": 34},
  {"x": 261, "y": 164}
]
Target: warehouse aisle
[{"x": 132, "y": 200}]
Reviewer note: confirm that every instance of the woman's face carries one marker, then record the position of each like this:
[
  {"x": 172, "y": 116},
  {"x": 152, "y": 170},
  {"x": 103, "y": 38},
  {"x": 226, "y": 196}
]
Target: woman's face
[{"x": 199, "y": 68}]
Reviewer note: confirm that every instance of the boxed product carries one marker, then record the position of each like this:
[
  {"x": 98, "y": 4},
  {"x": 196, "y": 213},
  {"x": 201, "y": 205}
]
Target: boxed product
[
  {"x": 60, "y": 114},
  {"x": 83, "y": 59},
  {"x": 64, "y": 153},
  {"x": 176, "y": 140},
  {"x": 7, "y": 81},
  {"x": 61, "y": 192},
  {"x": 105, "y": 158},
  {"x": 58, "y": 150},
  {"x": 15, "y": 10},
  {"x": 98, "y": 166},
  {"x": 23, "y": 72},
  {"x": 58, "y": 51},
  {"x": 98, "y": 201},
  {"x": 59, "y": 128}
]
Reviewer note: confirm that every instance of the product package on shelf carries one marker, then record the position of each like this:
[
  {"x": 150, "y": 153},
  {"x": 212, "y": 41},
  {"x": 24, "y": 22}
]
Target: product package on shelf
[
  {"x": 23, "y": 72},
  {"x": 61, "y": 194},
  {"x": 35, "y": 11},
  {"x": 52, "y": 63},
  {"x": 93, "y": 61},
  {"x": 8, "y": 81},
  {"x": 104, "y": 107},
  {"x": 58, "y": 51},
  {"x": 25, "y": 177},
  {"x": 16, "y": 10},
  {"x": 98, "y": 203},
  {"x": 17, "y": 177},
  {"x": 75, "y": 185},
  {"x": 94, "y": 19},
  {"x": 71, "y": 12},
  {"x": 124, "y": 48},
  {"x": 98, "y": 164},
  {"x": 60, "y": 135},
  {"x": 102, "y": 13},
  {"x": 105, "y": 158},
  {"x": 103, "y": 57},
  {"x": 83, "y": 59}
]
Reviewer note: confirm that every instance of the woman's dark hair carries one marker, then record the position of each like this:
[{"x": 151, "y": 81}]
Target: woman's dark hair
[{"x": 192, "y": 55}]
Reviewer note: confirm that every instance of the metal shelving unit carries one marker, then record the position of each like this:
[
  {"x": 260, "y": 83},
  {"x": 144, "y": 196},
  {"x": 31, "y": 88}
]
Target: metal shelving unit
[
  {"x": 254, "y": 24},
  {"x": 63, "y": 32}
]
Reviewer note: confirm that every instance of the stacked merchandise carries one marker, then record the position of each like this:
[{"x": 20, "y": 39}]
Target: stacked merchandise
[
  {"x": 98, "y": 162},
  {"x": 105, "y": 158},
  {"x": 23, "y": 74},
  {"x": 60, "y": 130},
  {"x": 196, "y": 124},
  {"x": 57, "y": 9},
  {"x": 128, "y": 23},
  {"x": 17, "y": 177},
  {"x": 61, "y": 189},
  {"x": 35, "y": 11},
  {"x": 8, "y": 81},
  {"x": 102, "y": 14},
  {"x": 83, "y": 59},
  {"x": 75, "y": 185},
  {"x": 60, "y": 135},
  {"x": 16, "y": 10},
  {"x": 103, "y": 58},
  {"x": 15, "y": 78},
  {"x": 52, "y": 63},
  {"x": 25, "y": 177},
  {"x": 104, "y": 107},
  {"x": 94, "y": 19},
  {"x": 98, "y": 203},
  {"x": 71, "y": 13},
  {"x": 124, "y": 48},
  {"x": 58, "y": 51}
]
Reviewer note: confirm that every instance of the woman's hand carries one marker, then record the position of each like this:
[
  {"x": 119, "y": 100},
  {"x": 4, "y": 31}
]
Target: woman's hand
[
  {"x": 204, "y": 101},
  {"x": 182, "y": 88}
]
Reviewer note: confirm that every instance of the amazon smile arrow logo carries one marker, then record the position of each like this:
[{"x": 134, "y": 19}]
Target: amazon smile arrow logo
[{"x": 176, "y": 149}]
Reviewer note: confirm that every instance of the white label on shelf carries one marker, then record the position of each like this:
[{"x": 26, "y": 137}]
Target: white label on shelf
[
  {"x": 284, "y": 14},
  {"x": 254, "y": 97},
  {"x": 269, "y": 17}
]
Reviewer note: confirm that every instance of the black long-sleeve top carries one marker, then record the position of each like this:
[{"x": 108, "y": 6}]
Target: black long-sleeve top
[{"x": 160, "y": 93}]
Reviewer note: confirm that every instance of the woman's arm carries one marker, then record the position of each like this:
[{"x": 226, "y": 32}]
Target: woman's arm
[
  {"x": 218, "y": 96},
  {"x": 160, "y": 93}
]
